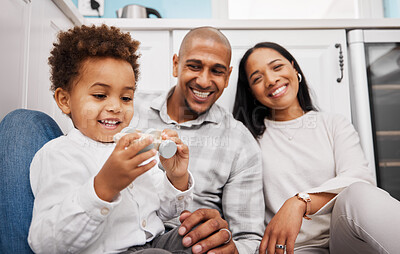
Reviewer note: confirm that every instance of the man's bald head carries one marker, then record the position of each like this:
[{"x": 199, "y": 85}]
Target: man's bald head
[{"x": 206, "y": 33}]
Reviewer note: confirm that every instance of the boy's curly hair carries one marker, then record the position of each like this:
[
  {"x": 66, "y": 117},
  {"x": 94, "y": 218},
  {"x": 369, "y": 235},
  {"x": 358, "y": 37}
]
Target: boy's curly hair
[{"x": 81, "y": 42}]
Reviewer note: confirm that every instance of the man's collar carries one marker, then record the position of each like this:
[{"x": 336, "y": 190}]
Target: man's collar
[{"x": 213, "y": 115}]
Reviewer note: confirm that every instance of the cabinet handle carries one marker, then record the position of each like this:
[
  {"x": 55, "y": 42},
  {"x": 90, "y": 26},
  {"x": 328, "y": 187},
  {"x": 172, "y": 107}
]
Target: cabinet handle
[{"x": 341, "y": 64}]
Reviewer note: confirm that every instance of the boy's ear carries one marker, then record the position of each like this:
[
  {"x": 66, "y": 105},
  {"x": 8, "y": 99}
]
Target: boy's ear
[{"x": 62, "y": 98}]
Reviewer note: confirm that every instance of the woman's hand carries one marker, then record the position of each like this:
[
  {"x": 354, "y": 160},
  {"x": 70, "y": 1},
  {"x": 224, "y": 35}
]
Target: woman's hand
[
  {"x": 123, "y": 166},
  {"x": 284, "y": 227},
  {"x": 176, "y": 167}
]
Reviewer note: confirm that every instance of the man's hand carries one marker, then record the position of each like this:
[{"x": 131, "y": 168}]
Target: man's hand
[{"x": 206, "y": 237}]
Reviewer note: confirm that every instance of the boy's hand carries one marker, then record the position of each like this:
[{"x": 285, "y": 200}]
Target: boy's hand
[
  {"x": 123, "y": 166},
  {"x": 176, "y": 166}
]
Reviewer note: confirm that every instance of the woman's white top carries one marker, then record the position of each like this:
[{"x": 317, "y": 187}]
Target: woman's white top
[
  {"x": 68, "y": 216},
  {"x": 317, "y": 152}
]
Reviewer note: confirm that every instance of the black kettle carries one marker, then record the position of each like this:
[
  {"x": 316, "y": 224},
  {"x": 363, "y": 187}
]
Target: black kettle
[{"x": 136, "y": 11}]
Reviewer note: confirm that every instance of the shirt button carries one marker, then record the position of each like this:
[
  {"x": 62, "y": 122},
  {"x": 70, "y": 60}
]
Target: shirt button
[
  {"x": 104, "y": 211},
  {"x": 131, "y": 185},
  {"x": 144, "y": 223},
  {"x": 180, "y": 198}
]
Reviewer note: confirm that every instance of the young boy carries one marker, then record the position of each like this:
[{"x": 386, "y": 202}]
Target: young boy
[{"x": 92, "y": 195}]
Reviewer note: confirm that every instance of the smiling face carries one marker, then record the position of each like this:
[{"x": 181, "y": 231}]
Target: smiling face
[
  {"x": 274, "y": 83},
  {"x": 100, "y": 102},
  {"x": 203, "y": 73}
]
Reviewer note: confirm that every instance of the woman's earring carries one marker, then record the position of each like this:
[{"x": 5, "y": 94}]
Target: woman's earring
[{"x": 300, "y": 77}]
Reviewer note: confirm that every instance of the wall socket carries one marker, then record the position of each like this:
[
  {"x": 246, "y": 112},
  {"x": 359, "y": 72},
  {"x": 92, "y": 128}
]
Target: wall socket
[{"x": 85, "y": 8}]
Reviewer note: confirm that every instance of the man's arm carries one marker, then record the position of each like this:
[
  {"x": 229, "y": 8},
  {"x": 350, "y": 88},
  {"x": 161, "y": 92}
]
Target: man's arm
[
  {"x": 242, "y": 205},
  {"x": 243, "y": 198}
]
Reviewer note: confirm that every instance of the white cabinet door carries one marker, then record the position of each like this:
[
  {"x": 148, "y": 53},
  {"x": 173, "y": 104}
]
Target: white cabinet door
[
  {"x": 14, "y": 30},
  {"x": 46, "y": 21},
  {"x": 315, "y": 52},
  {"x": 155, "y": 61}
]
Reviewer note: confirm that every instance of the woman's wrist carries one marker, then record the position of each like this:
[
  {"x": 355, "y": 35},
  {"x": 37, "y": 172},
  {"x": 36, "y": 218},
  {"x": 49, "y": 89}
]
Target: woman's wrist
[{"x": 299, "y": 205}]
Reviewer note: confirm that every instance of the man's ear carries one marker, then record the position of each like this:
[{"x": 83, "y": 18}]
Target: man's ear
[
  {"x": 175, "y": 63},
  {"x": 62, "y": 98},
  {"x": 229, "y": 74}
]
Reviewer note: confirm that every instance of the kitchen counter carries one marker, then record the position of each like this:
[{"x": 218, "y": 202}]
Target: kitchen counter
[
  {"x": 273, "y": 24},
  {"x": 71, "y": 11}
]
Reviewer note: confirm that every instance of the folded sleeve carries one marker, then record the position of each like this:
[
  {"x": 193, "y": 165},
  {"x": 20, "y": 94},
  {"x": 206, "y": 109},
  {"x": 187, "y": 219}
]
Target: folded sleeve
[
  {"x": 172, "y": 200},
  {"x": 350, "y": 163}
]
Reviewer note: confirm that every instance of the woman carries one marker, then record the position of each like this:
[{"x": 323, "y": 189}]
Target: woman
[{"x": 309, "y": 158}]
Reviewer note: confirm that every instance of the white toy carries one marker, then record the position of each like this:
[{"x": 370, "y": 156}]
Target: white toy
[{"x": 166, "y": 148}]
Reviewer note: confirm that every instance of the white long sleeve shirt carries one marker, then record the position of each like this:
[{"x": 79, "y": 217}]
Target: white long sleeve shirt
[
  {"x": 318, "y": 152},
  {"x": 68, "y": 216}
]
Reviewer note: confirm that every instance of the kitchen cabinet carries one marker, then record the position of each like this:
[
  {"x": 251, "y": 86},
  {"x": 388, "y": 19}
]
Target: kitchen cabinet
[
  {"x": 29, "y": 29},
  {"x": 46, "y": 21},
  {"x": 14, "y": 30},
  {"x": 155, "y": 61}
]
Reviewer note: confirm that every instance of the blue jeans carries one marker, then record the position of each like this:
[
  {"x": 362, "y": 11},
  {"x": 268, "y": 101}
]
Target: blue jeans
[
  {"x": 168, "y": 243},
  {"x": 22, "y": 133}
]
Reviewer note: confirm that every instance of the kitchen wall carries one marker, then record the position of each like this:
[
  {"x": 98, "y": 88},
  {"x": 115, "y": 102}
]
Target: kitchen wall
[
  {"x": 294, "y": 9},
  {"x": 238, "y": 9},
  {"x": 391, "y": 8},
  {"x": 185, "y": 9}
]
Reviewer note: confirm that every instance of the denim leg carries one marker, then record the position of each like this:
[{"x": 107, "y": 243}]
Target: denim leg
[
  {"x": 22, "y": 133},
  {"x": 172, "y": 242},
  {"x": 145, "y": 249}
]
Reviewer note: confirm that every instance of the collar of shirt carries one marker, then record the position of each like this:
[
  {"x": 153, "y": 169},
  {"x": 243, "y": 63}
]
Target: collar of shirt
[
  {"x": 77, "y": 136},
  {"x": 213, "y": 115},
  {"x": 296, "y": 123}
]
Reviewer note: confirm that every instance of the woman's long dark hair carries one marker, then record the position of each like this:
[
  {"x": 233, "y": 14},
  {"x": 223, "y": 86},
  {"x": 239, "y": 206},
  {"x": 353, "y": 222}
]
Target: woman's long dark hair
[{"x": 250, "y": 111}]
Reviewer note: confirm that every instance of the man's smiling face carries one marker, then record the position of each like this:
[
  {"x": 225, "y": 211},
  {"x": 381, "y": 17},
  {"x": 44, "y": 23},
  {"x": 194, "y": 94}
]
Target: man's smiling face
[{"x": 203, "y": 73}]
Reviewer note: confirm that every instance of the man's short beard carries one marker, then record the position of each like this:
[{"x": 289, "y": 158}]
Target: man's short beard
[{"x": 193, "y": 111}]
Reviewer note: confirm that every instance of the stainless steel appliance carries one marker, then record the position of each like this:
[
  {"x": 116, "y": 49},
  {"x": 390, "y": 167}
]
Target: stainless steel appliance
[
  {"x": 136, "y": 11},
  {"x": 375, "y": 68}
]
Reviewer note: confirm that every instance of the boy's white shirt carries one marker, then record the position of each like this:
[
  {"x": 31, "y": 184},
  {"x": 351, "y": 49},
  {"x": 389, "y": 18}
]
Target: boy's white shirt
[{"x": 69, "y": 217}]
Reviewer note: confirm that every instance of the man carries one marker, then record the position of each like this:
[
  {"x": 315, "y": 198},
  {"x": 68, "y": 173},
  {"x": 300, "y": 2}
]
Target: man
[{"x": 224, "y": 158}]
